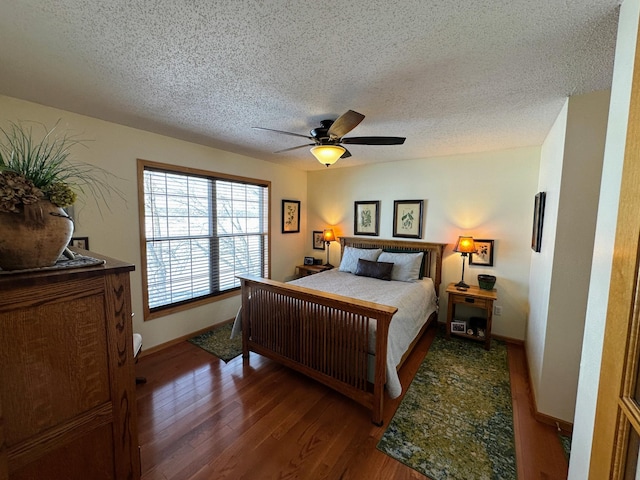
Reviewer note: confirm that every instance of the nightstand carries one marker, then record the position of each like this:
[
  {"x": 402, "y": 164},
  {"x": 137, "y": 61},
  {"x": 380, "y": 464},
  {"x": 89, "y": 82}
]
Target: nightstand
[
  {"x": 474, "y": 297},
  {"x": 304, "y": 270}
]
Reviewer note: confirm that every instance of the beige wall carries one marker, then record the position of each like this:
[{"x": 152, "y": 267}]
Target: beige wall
[
  {"x": 488, "y": 195},
  {"x": 115, "y": 233}
]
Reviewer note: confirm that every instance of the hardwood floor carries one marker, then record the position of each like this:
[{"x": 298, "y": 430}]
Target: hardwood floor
[{"x": 200, "y": 418}]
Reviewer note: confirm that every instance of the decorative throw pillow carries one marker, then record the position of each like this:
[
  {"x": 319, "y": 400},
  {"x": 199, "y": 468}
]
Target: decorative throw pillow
[
  {"x": 406, "y": 266},
  {"x": 381, "y": 270},
  {"x": 351, "y": 255}
]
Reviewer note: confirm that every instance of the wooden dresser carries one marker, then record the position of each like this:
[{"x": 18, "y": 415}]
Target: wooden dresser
[{"x": 67, "y": 384}]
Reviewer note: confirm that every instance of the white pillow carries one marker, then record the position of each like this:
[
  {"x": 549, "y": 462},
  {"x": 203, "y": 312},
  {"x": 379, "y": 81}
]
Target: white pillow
[
  {"x": 406, "y": 266},
  {"x": 351, "y": 255}
]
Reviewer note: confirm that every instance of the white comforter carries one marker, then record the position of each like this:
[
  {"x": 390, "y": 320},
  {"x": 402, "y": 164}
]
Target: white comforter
[{"x": 415, "y": 302}]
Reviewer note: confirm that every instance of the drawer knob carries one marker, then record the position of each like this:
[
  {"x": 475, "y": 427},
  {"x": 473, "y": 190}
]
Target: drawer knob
[{"x": 470, "y": 300}]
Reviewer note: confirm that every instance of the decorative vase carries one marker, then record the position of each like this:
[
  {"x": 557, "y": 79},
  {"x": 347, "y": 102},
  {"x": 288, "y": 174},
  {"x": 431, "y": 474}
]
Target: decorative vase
[{"x": 34, "y": 238}]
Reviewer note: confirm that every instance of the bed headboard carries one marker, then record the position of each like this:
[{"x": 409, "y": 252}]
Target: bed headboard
[{"x": 433, "y": 252}]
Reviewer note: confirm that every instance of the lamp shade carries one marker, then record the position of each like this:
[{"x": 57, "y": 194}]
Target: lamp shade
[
  {"x": 327, "y": 154},
  {"x": 465, "y": 245},
  {"x": 328, "y": 235}
]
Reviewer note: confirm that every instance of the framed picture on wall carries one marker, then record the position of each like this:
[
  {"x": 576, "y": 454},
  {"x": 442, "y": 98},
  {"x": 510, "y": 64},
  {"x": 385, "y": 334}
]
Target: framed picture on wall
[
  {"x": 366, "y": 218},
  {"x": 484, "y": 253},
  {"x": 318, "y": 240},
  {"x": 79, "y": 242},
  {"x": 407, "y": 218},
  {"x": 290, "y": 216},
  {"x": 538, "y": 219}
]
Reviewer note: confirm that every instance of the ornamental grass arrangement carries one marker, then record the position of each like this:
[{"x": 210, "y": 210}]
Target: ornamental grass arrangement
[
  {"x": 39, "y": 169},
  {"x": 37, "y": 180}
]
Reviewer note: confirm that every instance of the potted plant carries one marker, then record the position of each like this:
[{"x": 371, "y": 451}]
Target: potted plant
[{"x": 37, "y": 181}]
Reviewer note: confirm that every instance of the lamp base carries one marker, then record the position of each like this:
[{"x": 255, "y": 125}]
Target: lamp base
[{"x": 461, "y": 285}]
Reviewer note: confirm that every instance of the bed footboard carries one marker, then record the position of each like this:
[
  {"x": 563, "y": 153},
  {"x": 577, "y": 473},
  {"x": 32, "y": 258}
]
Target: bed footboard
[{"x": 321, "y": 335}]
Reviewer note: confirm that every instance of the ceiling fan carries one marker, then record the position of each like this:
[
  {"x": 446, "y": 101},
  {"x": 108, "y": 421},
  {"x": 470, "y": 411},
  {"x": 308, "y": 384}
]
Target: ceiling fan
[{"x": 329, "y": 138}]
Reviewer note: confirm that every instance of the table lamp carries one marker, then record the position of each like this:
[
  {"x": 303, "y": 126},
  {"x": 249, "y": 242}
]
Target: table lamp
[
  {"x": 464, "y": 246},
  {"x": 328, "y": 237}
]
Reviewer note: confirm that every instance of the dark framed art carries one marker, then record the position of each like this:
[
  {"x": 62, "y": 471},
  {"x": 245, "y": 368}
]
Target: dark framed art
[
  {"x": 407, "y": 218},
  {"x": 484, "y": 253},
  {"x": 538, "y": 220},
  {"x": 318, "y": 240},
  {"x": 79, "y": 242},
  {"x": 290, "y": 216},
  {"x": 366, "y": 218}
]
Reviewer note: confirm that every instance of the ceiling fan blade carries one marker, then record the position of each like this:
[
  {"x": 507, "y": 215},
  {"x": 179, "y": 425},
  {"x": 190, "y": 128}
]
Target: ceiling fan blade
[
  {"x": 373, "y": 140},
  {"x": 344, "y": 124},
  {"x": 295, "y": 148},
  {"x": 286, "y": 133},
  {"x": 346, "y": 153}
]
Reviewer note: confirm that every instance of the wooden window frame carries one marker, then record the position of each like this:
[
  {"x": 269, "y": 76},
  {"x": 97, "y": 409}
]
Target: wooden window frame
[{"x": 142, "y": 165}]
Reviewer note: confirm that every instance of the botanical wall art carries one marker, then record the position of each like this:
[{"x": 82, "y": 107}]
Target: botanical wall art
[
  {"x": 484, "y": 253},
  {"x": 290, "y": 216},
  {"x": 366, "y": 218},
  {"x": 407, "y": 218},
  {"x": 318, "y": 240}
]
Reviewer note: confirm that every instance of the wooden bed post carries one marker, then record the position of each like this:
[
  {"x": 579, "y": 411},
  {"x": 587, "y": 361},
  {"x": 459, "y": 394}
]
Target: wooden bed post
[
  {"x": 380, "y": 378},
  {"x": 245, "y": 315}
]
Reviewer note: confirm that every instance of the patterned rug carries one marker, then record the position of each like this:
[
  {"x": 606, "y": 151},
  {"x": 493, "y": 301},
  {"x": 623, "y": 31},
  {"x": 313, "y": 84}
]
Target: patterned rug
[
  {"x": 456, "y": 419},
  {"x": 565, "y": 440},
  {"x": 219, "y": 342}
]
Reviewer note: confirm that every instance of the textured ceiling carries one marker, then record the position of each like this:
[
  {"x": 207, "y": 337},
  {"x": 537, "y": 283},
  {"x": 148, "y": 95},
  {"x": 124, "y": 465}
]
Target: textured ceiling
[{"x": 453, "y": 76}]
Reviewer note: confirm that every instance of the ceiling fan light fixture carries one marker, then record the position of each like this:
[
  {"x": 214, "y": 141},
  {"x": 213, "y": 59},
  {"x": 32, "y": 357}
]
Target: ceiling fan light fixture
[{"x": 327, "y": 154}]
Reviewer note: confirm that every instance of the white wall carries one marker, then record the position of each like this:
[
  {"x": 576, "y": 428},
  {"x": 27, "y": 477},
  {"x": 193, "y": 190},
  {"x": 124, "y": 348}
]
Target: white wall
[
  {"x": 551, "y": 158},
  {"x": 591, "y": 358},
  {"x": 488, "y": 195},
  {"x": 560, "y": 273},
  {"x": 581, "y": 177},
  {"x": 116, "y": 233}
]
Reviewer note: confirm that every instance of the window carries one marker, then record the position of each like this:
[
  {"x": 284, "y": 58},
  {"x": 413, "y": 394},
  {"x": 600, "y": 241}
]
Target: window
[{"x": 200, "y": 230}]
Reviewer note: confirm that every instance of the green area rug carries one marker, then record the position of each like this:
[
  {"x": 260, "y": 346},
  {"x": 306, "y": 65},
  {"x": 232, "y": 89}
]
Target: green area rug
[
  {"x": 456, "y": 419},
  {"x": 219, "y": 342},
  {"x": 565, "y": 440}
]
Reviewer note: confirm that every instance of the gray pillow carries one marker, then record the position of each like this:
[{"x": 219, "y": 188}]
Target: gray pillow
[
  {"x": 381, "y": 270},
  {"x": 406, "y": 266},
  {"x": 351, "y": 255}
]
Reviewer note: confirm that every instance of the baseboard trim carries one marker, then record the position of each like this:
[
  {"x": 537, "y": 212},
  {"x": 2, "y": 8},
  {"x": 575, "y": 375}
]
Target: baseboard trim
[
  {"x": 515, "y": 341},
  {"x": 562, "y": 425},
  {"x": 171, "y": 343}
]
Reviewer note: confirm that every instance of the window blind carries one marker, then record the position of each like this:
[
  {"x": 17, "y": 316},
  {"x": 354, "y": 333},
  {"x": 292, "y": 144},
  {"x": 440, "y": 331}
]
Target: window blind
[{"x": 200, "y": 233}]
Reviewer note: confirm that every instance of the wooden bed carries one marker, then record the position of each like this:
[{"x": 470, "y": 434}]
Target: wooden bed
[{"x": 326, "y": 336}]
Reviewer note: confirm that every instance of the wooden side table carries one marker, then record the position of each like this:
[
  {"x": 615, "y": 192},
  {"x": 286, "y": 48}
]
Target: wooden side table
[
  {"x": 304, "y": 270},
  {"x": 472, "y": 297}
]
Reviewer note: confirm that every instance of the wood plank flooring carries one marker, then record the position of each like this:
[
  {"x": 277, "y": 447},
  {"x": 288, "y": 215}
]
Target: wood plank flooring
[{"x": 202, "y": 419}]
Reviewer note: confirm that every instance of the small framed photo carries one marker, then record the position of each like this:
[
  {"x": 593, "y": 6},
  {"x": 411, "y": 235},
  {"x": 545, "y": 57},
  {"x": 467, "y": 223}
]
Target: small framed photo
[
  {"x": 318, "y": 240},
  {"x": 80, "y": 242},
  {"x": 483, "y": 255},
  {"x": 458, "y": 327},
  {"x": 407, "y": 218},
  {"x": 366, "y": 218},
  {"x": 290, "y": 216}
]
